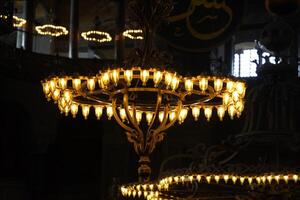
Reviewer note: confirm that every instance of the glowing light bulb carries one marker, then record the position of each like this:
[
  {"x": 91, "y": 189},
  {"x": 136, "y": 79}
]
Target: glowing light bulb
[
  {"x": 105, "y": 78},
  {"x": 295, "y": 177},
  {"x": 161, "y": 116},
  {"x": 241, "y": 88},
  {"x": 226, "y": 99},
  {"x": 191, "y": 178},
  {"x": 277, "y": 178},
  {"x": 128, "y": 75},
  {"x": 208, "y": 179},
  {"x": 230, "y": 86},
  {"x": 182, "y": 178},
  {"x": 85, "y": 111},
  {"x": 46, "y": 88},
  {"x": 250, "y": 180},
  {"x": 258, "y": 180},
  {"x": 52, "y": 85},
  {"x": 67, "y": 95},
  {"x": 239, "y": 106},
  {"x": 174, "y": 83},
  {"x": 139, "y": 193},
  {"x": 231, "y": 111},
  {"x": 172, "y": 115},
  {"x": 196, "y": 113},
  {"x": 109, "y": 112},
  {"x": 176, "y": 179},
  {"x": 149, "y": 117},
  {"x": 263, "y": 179},
  {"x": 168, "y": 79},
  {"x": 62, "y": 103},
  {"x": 235, "y": 96},
  {"x": 76, "y": 84},
  {"x": 122, "y": 113},
  {"x": 198, "y": 178},
  {"x": 144, "y": 76},
  {"x": 203, "y": 84},
  {"x": 188, "y": 84},
  {"x": 221, "y": 112},
  {"x": 138, "y": 116},
  {"x": 157, "y": 77},
  {"x": 62, "y": 83},
  {"x": 90, "y": 83},
  {"x": 269, "y": 178},
  {"x": 56, "y": 94},
  {"x": 115, "y": 76},
  {"x": 218, "y": 85},
  {"x": 98, "y": 111},
  {"x": 234, "y": 179},
  {"x": 242, "y": 180},
  {"x": 182, "y": 115},
  {"x": 208, "y": 113},
  {"x": 286, "y": 178},
  {"x": 217, "y": 178},
  {"x": 226, "y": 178},
  {"x": 133, "y": 193},
  {"x": 74, "y": 109}
]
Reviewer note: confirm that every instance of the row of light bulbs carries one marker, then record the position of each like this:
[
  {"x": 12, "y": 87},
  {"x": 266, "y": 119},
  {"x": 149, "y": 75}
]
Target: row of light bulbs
[
  {"x": 17, "y": 21},
  {"x": 51, "y": 30},
  {"x": 150, "y": 191}
]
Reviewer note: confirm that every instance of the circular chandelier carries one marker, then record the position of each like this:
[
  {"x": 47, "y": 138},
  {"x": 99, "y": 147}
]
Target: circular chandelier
[
  {"x": 133, "y": 34},
  {"x": 51, "y": 30},
  {"x": 96, "y": 36},
  {"x": 146, "y": 102},
  {"x": 17, "y": 21}
]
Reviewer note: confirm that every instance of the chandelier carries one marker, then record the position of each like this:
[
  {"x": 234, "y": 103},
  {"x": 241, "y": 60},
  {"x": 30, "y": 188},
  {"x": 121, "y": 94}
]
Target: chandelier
[
  {"x": 96, "y": 36},
  {"x": 17, "y": 21},
  {"x": 133, "y": 34},
  {"x": 51, "y": 30}
]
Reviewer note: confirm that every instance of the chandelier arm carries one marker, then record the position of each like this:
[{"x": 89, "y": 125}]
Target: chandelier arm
[
  {"x": 130, "y": 118},
  {"x": 119, "y": 121},
  {"x": 158, "y": 103}
]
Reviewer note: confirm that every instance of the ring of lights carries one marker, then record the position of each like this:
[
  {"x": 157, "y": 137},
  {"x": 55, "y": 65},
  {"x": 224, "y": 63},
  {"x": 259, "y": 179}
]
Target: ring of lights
[
  {"x": 51, "y": 30},
  {"x": 89, "y": 36},
  {"x": 162, "y": 97},
  {"x": 17, "y": 21},
  {"x": 163, "y": 188},
  {"x": 132, "y": 34}
]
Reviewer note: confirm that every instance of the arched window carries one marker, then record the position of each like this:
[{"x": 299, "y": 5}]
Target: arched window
[{"x": 245, "y": 53}]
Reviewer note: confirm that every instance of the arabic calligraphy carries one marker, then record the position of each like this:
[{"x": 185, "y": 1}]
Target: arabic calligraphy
[{"x": 194, "y": 27}]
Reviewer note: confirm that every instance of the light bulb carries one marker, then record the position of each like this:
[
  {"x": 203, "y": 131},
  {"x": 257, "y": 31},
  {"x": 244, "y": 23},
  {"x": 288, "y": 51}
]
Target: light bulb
[
  {"x": 67, "y": 95},
  {"x": 85, "y": 111},
  {"x": 250, "y": 180},
  {"x": 90, "y": 83},
  {"x": 161, "y": 116},
  {"x": 230, "y": 86},
  {"x": 231, "y": 111},
  {"x": 157, "y": 77},
  {"x": 295, "y": 177},
  {"x": 277, "y": 178},
  {"x": 46, "y": 88},
  {"x": 62, "y": 83},
  {"x": 122, "y": 113},
  {"x": 242, "y": 180},
  {"x": 62, "y": 103},
  {"x": 138, "y": 116},
  {"x": 218, "y": 85},
  {"x": 172, "y": 115},
  {"x": 149, "y": 117},
  {"x": 221, "y": 112},
  {"x": 203, "y": 84},
  {"x": 176, "y": 179},
  {"x": 115, "y": 76},
  {"x": 226, "y": 178},
  {"x": 217, "y": 178},
  {"x": 240, "y": 88},
  {"x": 226, "y": 99},
  {"x": 74, "y": 109},
  {"x": 182, "y": 115},
  {"x": 52, "y": 85},
  {"x": 168, "y": 79},
  {"x": 208, "y": 113},
  {"x": 128, "y": 75},
  {"x": 67, "y": 110},
  {"x": 144, "y": 76},
  {"x": 56, "y": 94},
  {"x": 98, "y": 111},
  {"x": 239, "y": 106},
  {"x": 234, "y": 179},
  {"x": 133, "y": 193},
  {"x": 189, "y": 85},
  {"x": 198, "y": 178},
  {"x": 235, "y": 96},
  {"x": 258, "y": 180},
  {"x": 76, "y": 84},
  {"x": 286, "y": 178},
  {"x": 269, "y": 178},
  {"x": 109, "y": 112},
  {"x": 191, "y": 178},
  {"x": 105, "y": 78},
  {"x": 196, "y": 113},
  {"x": 208, "y": 179},
  {"x": 263, "y": 179},
  {"x": 174, "y": 83}
]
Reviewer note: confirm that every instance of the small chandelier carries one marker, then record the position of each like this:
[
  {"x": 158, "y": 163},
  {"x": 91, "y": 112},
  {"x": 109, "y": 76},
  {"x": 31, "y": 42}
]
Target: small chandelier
[
  {"x": 51, "y": 30},
  {"x": 96, "y": 36},
  {"x": 133, "y": 34},
  {"x": 17, "y": 21}
]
